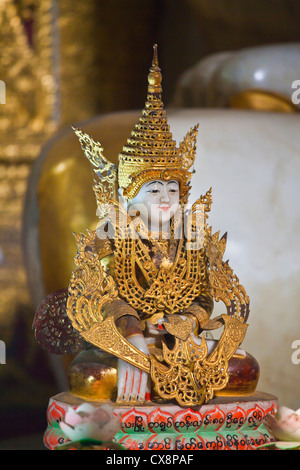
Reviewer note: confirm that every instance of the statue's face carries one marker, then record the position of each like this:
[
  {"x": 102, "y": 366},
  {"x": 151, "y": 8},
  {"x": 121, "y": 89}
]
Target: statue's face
[{"x": 157, "y": 202}]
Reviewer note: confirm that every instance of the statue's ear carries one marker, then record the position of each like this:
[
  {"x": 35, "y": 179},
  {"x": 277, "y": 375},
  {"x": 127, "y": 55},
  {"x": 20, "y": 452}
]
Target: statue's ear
[{"x": 122, "y": 199}]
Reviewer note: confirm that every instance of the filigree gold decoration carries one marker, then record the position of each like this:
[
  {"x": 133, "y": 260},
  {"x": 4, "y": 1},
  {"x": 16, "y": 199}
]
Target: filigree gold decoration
[
  {"x": 224, "y": 283},
  {"x": 185, "y": 373},
  {"x": 179, "y": 327},
  {"x": 168, "y": 290},
  {"x": 175, "y": 379},
  {"x": 191, "y": 265},
  {"x": 90, "y": 287},
  {"x": 104, "y": 171},
  {"x": 106, "y": 336},
  {"x": 187, "y": 148},
  {"x": 192, "y": 376}
]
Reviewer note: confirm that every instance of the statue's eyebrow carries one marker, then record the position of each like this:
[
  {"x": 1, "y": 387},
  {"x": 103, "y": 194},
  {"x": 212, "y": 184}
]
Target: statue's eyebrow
[
  {"x": 152, "y": 182},
  {"x": 173, "y": 181}
]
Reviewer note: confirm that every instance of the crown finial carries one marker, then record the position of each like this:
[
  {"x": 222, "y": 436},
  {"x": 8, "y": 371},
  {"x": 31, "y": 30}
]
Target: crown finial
[
  {"x": 150, "y": 152},
  {"x": 154, "y": 77}
]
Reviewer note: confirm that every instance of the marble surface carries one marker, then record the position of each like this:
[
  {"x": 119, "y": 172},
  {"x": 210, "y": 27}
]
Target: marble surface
[
  {"x": 216, "y": 78},
  {"x": 252, "y": 162}
]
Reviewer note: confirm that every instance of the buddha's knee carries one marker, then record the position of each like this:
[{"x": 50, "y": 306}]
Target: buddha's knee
[
  {"x": 243, "y": 371},
  {"x": 93, "y": 375}
]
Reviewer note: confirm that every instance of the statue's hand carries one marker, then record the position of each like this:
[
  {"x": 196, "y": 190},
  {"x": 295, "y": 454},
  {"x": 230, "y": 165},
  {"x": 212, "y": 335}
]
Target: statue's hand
[{"x": 133, "y": 383}]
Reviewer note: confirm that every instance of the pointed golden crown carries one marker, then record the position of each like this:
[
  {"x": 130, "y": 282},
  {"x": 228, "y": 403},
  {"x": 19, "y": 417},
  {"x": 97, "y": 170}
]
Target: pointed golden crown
[{"x": 150, "y": 152}]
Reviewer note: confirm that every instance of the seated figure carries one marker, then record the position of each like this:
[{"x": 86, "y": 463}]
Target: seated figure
[{"x": 137, "y": 314}]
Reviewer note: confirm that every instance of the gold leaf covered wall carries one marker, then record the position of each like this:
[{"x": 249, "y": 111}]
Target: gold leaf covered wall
[
  {"x": 25, "y": 124},
  {"x": 62, "y": 62}
]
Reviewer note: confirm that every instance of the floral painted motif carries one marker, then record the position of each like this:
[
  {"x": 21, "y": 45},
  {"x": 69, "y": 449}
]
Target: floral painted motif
[
  {"x": 53, "y": 436},
  {"x": 55, "y": 413}
]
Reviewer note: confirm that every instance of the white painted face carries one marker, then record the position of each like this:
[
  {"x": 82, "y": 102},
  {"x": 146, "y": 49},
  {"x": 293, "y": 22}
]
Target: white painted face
[{"x": 157, "y": 202}]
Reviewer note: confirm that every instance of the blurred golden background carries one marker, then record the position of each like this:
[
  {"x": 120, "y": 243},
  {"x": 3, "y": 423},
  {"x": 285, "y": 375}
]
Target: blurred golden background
[{"x": 64, "y": 62}]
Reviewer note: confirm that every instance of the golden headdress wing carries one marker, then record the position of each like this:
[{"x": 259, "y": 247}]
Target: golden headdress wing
[
  {"x": 187, "y": 148},
  {"x": 151, "y": 152},
  {"x": 225, "y": 285},
  {"x": 105, "y": 172}
]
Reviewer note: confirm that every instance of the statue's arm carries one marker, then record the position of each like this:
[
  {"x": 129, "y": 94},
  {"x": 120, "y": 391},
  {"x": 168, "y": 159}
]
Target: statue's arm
[
  {"x": 200, "y": 310},
  {"x": 133, "y": 383}
]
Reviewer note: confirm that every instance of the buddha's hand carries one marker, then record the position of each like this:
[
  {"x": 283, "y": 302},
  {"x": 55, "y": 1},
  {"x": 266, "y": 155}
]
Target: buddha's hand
[{"x": 133, "y": 383}]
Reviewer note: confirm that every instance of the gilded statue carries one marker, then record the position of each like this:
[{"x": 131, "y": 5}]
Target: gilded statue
[{"x": 137, "y": 314}]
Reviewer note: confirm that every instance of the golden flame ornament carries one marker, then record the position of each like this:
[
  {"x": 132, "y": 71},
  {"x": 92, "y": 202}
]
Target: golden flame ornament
[{"x": 150, "y": 152}]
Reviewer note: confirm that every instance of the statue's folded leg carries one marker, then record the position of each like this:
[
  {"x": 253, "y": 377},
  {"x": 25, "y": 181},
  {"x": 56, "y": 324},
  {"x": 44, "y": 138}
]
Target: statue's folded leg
[
  {"x": 124, "y": 382},
  {"x": 133, "y": 383}
]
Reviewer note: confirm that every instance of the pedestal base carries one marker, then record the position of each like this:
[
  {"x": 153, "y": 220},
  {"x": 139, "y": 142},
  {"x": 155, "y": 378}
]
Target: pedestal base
[{"x": 225, "y": 423}]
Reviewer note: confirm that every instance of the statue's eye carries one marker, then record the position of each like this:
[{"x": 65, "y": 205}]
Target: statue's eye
[{"x": 153, "y": 191}]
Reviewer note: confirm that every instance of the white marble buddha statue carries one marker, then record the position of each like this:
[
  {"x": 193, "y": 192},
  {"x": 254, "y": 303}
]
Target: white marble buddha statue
[{"x": 137, "y": 312}]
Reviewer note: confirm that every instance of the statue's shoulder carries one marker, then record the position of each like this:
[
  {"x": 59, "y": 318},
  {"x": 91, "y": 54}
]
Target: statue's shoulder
[
  {"x": 103, "y": 247},
  {"x": 89, "y": 242}
]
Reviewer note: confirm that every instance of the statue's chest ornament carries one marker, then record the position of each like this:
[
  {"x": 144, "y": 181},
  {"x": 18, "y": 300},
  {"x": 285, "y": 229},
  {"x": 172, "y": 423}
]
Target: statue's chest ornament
[{"x": 167, "y": 288}]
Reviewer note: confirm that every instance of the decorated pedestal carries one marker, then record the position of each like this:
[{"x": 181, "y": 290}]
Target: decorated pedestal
[{"x": 224, "y": 424}]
